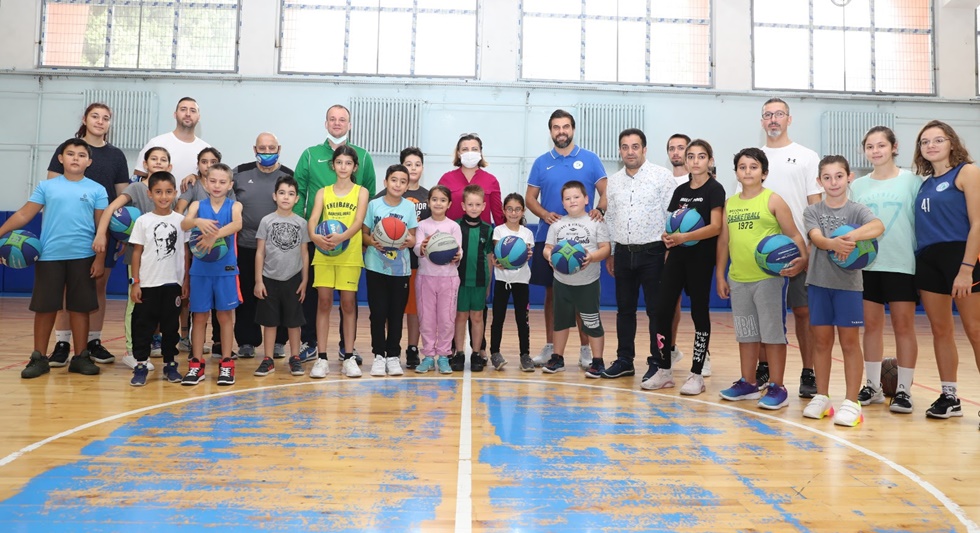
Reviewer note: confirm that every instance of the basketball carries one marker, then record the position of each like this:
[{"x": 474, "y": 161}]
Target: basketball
[
  {"x": 775, "y": 252},
  {"x": 19, "y": 249},
  {"x": 390, "y": 232},
  {"x": 219, "y": 250},
  {"x": 684, "y": 221},
  {"x": 328, "y": 227},
  {"x": 889, "y": 376},
  {"x": 122, "y": 221},
  {"x": 511, "y": 252},
  {"x": 863, "y": 254},
  {"x": 441, "y": 248},
  {"x": 567, "y": 256}
]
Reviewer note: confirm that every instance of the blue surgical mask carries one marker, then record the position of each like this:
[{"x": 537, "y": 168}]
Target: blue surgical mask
[{"x": 267, "y": 160}]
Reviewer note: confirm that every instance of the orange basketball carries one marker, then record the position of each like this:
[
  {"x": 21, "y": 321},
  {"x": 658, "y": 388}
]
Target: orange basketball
[{"x": 390, "y": 232}]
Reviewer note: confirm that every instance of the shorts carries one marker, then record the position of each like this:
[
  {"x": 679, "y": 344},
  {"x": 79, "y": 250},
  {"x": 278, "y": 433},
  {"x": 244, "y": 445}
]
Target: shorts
[
  {"x": 759, "y": 310},
  {"x": 885, "y": 287},
  {"x": 341, "y": 278},
  {"x": 281, "y": 305},
  {"x": 411, "y": 308},
  {"x": 214, "y": 292},
  {"x": 65, "y": 283},
  {"x": 796, "y": 295},
  {"x": 580, "y": 300},
  {"x": 835, "y": 307},
  {"x": 541, "y": 271},
  {"x": 937, "y": 266},
  {"x": 471, "y": 299}
]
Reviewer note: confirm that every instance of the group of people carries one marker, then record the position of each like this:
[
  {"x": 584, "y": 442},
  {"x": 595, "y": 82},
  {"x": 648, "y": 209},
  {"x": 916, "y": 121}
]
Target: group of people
[{"x": 266, "y": 216}]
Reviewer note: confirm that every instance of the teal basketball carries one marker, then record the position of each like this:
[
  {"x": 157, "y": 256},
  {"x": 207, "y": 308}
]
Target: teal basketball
[
  {"x": 511, "y": 252},
  {"x": 218, "y": 251},
  {"x": 775, "y": 252},
  {"x": 863, "y": 254},
  {"x": 19, "y": 249},
  {"x": 332, "y": 226},
  {"x": 685, "y": 220},
  {"x": 567, "y": 256},
  {"x": 122, "y": 222}
]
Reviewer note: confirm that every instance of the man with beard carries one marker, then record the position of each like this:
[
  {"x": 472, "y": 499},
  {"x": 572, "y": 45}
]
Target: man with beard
[
  {"x": 182, "y": 143},
  {"x": 676, "y": 150}
]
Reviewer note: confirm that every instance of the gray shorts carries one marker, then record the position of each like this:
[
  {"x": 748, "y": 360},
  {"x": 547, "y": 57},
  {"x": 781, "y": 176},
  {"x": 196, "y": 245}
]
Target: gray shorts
[
  {"x": 759, "y": 310},
  {"x": 796, "y": 294}
]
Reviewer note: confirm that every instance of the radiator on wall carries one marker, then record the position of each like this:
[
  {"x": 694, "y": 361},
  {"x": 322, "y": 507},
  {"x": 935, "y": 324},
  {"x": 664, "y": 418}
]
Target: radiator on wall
[
  {"x": 843, "y": 131},
  {"x": 384, "y": 126},
  {"x": 134, "y": 116},
  {"x": 598, "y": 127}
]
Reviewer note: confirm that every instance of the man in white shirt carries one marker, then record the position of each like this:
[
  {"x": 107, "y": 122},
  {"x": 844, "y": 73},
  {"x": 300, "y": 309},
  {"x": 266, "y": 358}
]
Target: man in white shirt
[
  {"x": 677, "y": 153},
  {"x": 182, "y": 143}
]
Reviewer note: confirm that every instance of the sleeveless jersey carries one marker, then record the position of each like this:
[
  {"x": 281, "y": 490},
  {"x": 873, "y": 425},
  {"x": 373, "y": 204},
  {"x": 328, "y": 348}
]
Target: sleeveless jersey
[
  {"x": 748, "y": 222},
  {"x": 227, "y": 265},
  {"x": 342, "y": 209},
  {"x": 940, "y": 213}
]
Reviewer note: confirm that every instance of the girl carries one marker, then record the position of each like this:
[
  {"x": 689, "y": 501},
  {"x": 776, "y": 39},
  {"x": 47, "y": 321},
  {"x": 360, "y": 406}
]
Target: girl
[
  {"x": 834, "y": 293},
  {"x": 689, "y": 267},
  {"x": 947, "y": 239},
  {"x": 512, "y": 282},
  {"x": 436, "y": 285},
  {"x": 345, "y": 202},
  {"x": 413, "y": 159},
  {"x": 890, "y": 193},
  {"x": 388, "y": 273}
]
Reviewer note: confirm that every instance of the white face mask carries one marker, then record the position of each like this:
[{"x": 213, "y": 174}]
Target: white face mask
[
  {"x": 470, "y": 159},
  {"x": 336, "y": 140}
]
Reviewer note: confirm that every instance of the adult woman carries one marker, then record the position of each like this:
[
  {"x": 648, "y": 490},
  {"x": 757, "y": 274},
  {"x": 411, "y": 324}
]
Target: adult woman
[
  {"x": 890, "y": 193},
  {"x": 109, "y": 169},
  {"x": 469, "y": 165},
  {"x": 947, "y": 234}
]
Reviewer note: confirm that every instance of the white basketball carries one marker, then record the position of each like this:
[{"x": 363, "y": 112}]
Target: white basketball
[{"x": 441, "y": 248}]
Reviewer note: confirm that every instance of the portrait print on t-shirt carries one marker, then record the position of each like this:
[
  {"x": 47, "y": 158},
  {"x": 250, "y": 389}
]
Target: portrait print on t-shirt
[{"x": 164, "y": 240}]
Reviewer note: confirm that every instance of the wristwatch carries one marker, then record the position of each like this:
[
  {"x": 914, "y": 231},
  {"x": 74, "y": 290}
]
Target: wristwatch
[{"x": 133, "y": 281}]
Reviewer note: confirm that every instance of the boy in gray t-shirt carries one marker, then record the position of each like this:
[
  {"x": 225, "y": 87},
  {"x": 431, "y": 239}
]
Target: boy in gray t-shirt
[{"x": 823, "y": 272}]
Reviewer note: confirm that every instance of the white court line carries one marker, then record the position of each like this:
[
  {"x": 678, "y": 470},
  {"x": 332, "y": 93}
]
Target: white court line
[{"x": 464, "y": 477}]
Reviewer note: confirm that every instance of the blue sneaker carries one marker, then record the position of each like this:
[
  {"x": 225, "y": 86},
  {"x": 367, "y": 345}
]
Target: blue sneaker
[
  {"x": 156, "y": 345},
  {"x": 427, "y": 364},
  {"x": 139, "y": 375},
  {"x": 171, "y": 374},
  {"x": 741, "y": 390},
  {"x": 443, "y": 364},
  {"x": 776, "y": 397},
  {"x": 307, "y": 353}
]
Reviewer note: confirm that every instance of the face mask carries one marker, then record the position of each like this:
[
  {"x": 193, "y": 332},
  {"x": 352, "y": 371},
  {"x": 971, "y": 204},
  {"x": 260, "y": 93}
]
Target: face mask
[
  {"x": 470, "y": 159},
  {"x": 337, "y": 140},
  {"x": 267, "y": 160}
]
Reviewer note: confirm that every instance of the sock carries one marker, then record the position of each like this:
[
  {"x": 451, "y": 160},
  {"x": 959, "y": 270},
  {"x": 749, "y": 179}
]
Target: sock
[
  {"x": 873, "y": 370},
  {"x": 949, "y": 387},
  {"x": 597, "y": 361},
  {"x": 323, "y": 355},
  {"x": 94, "y": 335},
  {"x": 63, "y": 336},
  {"x": 904, "y": 379}
]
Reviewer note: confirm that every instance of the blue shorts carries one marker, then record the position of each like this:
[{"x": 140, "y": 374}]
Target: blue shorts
[
  {"x": 834, "y": 307},
  {"x": 214, "y": 292}
]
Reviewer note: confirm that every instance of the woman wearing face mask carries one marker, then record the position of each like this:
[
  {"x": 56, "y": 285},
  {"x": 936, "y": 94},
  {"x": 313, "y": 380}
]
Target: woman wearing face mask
[{"x": 469, "y": 164}]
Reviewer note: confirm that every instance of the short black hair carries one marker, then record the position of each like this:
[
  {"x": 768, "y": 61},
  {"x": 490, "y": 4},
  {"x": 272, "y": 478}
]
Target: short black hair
[
  {"x": 159, "y": 176},
  {"x": 186, "y": 99},
  {"x": 561, "y": 113},
  {"x": 74, "y": 141},
  {"x": 411, "y": 150},
  {"x": 395, "y": 168},
  {"x": 633, "y": 131},
  {"x": 687, "y": 140},
  {"x": 289, "y": 181},
  {"x": 753, "y": 153}
]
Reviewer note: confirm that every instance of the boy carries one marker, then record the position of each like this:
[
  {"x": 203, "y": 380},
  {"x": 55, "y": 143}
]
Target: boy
[
  {"x": 281, "y": 257},
  {"x": 214, "y": 285},
  {"x": 160, "y": 278},
  {"x": 474, "y": 277},
  {"x": 578, "y": 293},
  {"x": 66, "y": 271}
]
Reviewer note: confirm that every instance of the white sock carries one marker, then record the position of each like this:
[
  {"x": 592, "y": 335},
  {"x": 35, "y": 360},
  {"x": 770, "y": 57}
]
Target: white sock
[
  {"x": 949, "y": 387},
  {"x": 904, "y": 379},
  {"x": 63, "y": 335},
  {"x": 94, "y": 335},
  {"x": 873, "y": 371}
]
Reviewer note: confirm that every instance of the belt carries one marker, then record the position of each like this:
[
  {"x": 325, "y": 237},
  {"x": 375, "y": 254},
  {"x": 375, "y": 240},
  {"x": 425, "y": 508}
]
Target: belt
[{"x": 641, "y": 247}]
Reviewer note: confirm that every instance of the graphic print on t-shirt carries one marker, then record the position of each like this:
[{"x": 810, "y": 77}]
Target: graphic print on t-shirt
[
  {"x": 164, "y": 240},
  {"x": 284, "y": 236}
]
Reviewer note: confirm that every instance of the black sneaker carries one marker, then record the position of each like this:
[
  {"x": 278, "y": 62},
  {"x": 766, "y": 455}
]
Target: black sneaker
[
  {"x": 59, "y": 357},
  {"x": 619, "y": 368},
  {"x": 808, "y": 383},
  {"x": 139, "y": 375},
  {"x": 171, "y": 374},
  {"x": 226, "y": 372},
  {"x": 412, "y": 357},
  {"x": 554, "y": 365},
  {"x": 527, "y": 364},
  {"x": 37, "y": 366},
  {"x": 901, "y": 403},
  {"x": 195, "y": 372},
  {"x": 945, "y": 407},
  {"x": 457, "y": 362},
  {"x": 652, "y": 367},
  {"x": 296, "y": 366},
  {"x": 82, "y": 364},
  {"x": 595, "y": 371},
  {"x": 477, "y": 363},
  {"x": 762, "y": 376},
  {"x": 98, "y": 352},
  {"x": 266, "y": 367}
]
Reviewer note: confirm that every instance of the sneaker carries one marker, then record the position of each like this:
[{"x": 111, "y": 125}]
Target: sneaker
[
  {"x": 661, "y": 379},
  {"x": 675, "y": 355},
  {"x": 457, "y": 362},
  {"x": 170, "y": 372},
  {"x": 849, "y": 414},
  {"x": 279, "y": 351},
  {"x": 497, "y": 361},
  {"x": 394, "y": 366},
  {"x": 706, "y": 369},
  {"x": 246, "y": 351},
  {"x": 320, "y": 369},
  {"x": 131, "y": 362},
  {"x": 156, "y": 345},
  {"x": 226, "y": 371},
  {"x": 98, "y": 353},
  {"x": 426, "y": 365},
  {"x": 266, "y": 367},
  {"x": 776, "y": 397},
  {"x": 295, "y": 366},
  {"x": 555, "y": 364},
  {"x": 694, "y": 385},
  {"x": 869, "y": 395},
  {"x": 184, "y": 344},
  {"x": 37, "y": 366},
  {"x": 762, "y": 375},
  {"x": 443, "y": 364},
  {"x": 307, "y": 353},
  {"x": 350, "y": 368},
  {"x": 652, "y": 367},
  {"x": 819, "y": 407},
  {"x": 357, "y": 357},
  {"x": 139, "y": 375},
  {"x": 527, "y": 364},
  {"x": 741, "y": 390},
  {"x": 195, "y": 372},
  {"x": 901, "y": 403},
  {"x": 542, "y": 358},
  {"x": 82, "y": 364},
  {"x": 595, "y": 369},
  {"x": 378, "y": 368},
  {"x": 585, "y": 357},
  {"x": 477, "y": 362},
  {"x": 59, "y": 356},
  {"x": 412, "y": 357},
  {"x": 945, "y": 407},
  {"x": 808, "y": 383},
  {"x": 620, "y": 368}
]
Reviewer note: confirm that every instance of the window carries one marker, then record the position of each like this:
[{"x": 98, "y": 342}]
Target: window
[
  {"x": 185, "y": 35},
  {"x": 379, "y": 37},
  {"x": 869, "y": 46},
  {"x": 621, "y": 41}
]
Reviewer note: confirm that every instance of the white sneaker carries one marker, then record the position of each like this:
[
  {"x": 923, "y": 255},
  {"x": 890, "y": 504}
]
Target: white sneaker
[
  {"x": 320, "y": 369},
  {"x": 351, "y": 369},
  {"x": 676, "y": 355},
  {"x": 662, "y": 379},
  {"x": 542, "y": 358},
  {"x": 131, "y": 362},
  {"x": 849, "y": 414},
  {"x": 694, "y": 385},
  {"x": 819, "y": 407},
  {"x": 378, "y": 368},
  {"x": 585, "y": 357},
  {"x": 394, "y": 366},
  {"x": 706, "y": 369}
]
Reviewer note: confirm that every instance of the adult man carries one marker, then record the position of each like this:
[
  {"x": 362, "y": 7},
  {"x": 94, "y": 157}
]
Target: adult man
[
  {"x": 182, "y": 143},
  {"x": 638, "y": 194},
  {"x": 564, "y": 163},
  {"x": 314, "y": 171}
]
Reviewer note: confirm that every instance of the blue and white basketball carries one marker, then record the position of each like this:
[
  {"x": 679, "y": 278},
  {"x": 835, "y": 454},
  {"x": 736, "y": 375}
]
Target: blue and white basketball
[
  {"x": 863, "y": 254},
  {"x": 775, "y": 252},
  {"x": 567, "y": 256},
  {"x": 685, "y": 220},
  {"x": 19, "y": 249},
  {"x": 219, "y": 250},
  {"x": 328, "y": 227},
  {"x": 511, "y": 252},
  {"x": 441, "y": 248},
  {"x": 122, "y": 222}
]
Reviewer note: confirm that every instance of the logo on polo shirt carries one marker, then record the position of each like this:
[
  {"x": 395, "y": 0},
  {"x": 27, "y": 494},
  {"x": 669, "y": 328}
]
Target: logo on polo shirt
[{"x": 578, "y": 165}]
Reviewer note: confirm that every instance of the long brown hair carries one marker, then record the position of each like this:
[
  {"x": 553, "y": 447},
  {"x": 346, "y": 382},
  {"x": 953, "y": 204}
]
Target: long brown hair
[
  {"x": 712, "y": 172},
  {"x": 83, "y": 130},
  {"x": 957, "y": 152}
]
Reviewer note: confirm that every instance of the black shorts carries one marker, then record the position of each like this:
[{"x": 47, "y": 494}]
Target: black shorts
[
  {"x": 885, "y": 287},
  {"x": 281, "y": 305},
  {"x": 64, "y": 284},
  {"x": 937, "y": 266},
  {"x": 541, "y": 272}
]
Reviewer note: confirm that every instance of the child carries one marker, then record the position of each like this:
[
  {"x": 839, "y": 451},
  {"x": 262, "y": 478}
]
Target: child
[
  {"x": 437, "y": 285},
  {"x": 510, "y": 282},
  {"x": 578, "y": 293},
  {"x": 137, "y": 194},
  {"x": 413, "y": 160},
  {"x": 66, "y": 271},
  {"x": 345, "y": 202},
  {"x": 281, "y": 256},
  {"x": 388, "y": 273},
  {"x": 758, "y": 299},
  {"x": 835, "y": 293},
  {"x": 160, "y": 281},
  {"x": 474, "y": 273},
  {"x": 214, "y": 284}
]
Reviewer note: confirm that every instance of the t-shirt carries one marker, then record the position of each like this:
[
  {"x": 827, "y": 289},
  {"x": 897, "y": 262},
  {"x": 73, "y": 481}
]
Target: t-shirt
[
  {"x": 162, "y": 261},
  {"x": 704, "y": 199},
  {"x": 342, "y": 209},
  {"x": 183, "y": 156},
  {"x": 520, "y": 275},
  {"x": 314, "y": 171},
  {"x": 283, "y": 236},
  {"x": 255, "y": 190},
  {"x": 749, "y": 221},
  {"x": 892, "y": 201},
  {"x": 197, "y": 193},
  {"x": 68, "y": 224},
  {"x": 109, "y": 167},
  {"x": 392, "y": 262},
  {"x": 586, "y": 232},
  {"x": 823, "y": 272},
  {"x": 477, "y": 243},
  {"x": 552, "y": 170},
  {"x": 139, "y": 198},
  {"x": 429, "y": 227},
  {"x": 419, "y": 197},
  {"x": 793, "y": 171}
]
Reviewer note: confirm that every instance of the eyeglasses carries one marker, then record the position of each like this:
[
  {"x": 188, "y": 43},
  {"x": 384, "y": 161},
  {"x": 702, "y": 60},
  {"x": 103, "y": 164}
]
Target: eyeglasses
[
  {"x": 476, "y": 135},
  {"x": 513, "y": 209},
  {"x": 938, "y": 141},
  {"x": 778, "y": 114}
]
